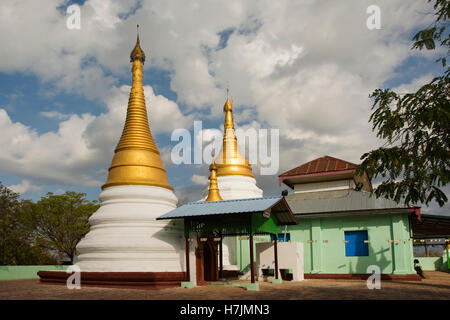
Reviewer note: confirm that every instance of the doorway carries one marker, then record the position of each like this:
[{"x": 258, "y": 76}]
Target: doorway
[{"x": 206, "y": 257}]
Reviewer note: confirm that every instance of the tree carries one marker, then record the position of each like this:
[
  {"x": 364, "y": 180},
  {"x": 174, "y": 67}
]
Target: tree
[
  {"x": 17, "y": 244},
  {"x": 182, "y": 201},
  {"x": 414, "y": 163},
  {"x": 60, "y": 221}
]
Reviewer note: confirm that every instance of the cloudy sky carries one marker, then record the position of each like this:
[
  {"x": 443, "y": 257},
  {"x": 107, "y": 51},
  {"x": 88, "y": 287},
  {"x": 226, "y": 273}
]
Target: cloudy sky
[{"x": 305, "y": 67}]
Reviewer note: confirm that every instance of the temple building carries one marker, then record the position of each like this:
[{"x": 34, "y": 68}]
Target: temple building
[
  {"x": 335, "y": 225},
  {"x": 345, "y": 229}
]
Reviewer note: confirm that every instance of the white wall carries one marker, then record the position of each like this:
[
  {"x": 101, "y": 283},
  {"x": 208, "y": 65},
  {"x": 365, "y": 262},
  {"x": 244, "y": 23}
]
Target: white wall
[{"x": 324, "y": 186}]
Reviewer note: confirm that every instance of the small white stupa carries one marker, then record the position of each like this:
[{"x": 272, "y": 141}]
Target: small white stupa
[{"x": 235, "y": 180}]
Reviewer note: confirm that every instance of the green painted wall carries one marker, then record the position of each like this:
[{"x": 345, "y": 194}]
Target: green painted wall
[
  {"x": 433, "y": 263},
  {"x": 25, "y": 272},
  {"x": 324, "y": 247},
  {"x": 243, "y": 255}
]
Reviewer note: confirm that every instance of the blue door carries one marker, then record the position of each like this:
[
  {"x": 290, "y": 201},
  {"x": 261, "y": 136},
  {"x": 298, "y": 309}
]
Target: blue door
[
  {"x": 355, "y": 245},
  {"x": 281, "y": 237}
]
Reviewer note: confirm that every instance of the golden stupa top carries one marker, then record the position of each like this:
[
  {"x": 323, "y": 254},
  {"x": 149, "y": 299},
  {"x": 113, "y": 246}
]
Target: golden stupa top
[
  {"x": 137, "y": 52},
  {"x": 230, "y": 161},
  {"x": 213, "y": 193},
  {"x": 228, "y": 110},
  {"x": 136, "y": 158}
]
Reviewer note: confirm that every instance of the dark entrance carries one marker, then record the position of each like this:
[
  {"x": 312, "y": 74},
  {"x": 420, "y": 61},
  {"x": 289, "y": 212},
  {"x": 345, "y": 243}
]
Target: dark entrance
[{"x": 206, "y": 259}]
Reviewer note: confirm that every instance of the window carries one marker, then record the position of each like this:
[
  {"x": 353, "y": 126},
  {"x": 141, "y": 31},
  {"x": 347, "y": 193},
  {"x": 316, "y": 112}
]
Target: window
[
  {"x": 281, "y": 237},
  {"x": 356, "y": 244}
]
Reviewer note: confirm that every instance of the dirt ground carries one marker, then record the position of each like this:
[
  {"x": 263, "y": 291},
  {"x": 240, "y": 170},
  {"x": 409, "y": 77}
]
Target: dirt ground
[{"x": 436, "y": 286}]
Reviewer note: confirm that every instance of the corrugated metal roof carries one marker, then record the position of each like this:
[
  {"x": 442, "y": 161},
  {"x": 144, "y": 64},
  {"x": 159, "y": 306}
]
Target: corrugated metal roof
[
  {"x": 343, "y": 201},
  {"x": 204, "y": 208},
  {"x": 431, "y": 226},
  {"x": 320, "y": 165}
]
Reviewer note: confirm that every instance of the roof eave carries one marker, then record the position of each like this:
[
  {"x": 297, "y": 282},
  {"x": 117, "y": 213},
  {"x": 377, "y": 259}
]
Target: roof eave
[
  {"x": 286, "y": 179},
  {"x": 354, "y": 212}
]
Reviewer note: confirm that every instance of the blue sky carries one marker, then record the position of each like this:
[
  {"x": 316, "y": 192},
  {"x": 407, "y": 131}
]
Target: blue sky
[{"x": 304, "y": 67}]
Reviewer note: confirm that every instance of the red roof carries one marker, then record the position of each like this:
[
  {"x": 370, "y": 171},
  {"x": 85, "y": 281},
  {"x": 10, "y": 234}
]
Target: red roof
[{"x": 324, "y": 164}]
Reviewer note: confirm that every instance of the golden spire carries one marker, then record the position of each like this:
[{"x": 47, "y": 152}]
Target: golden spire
[
  {"x": 136, "y": 160},
  {"x": 228, "y": 109},
  {"x": 137, "y": 52},
  {"x": 230, "y": 161},
  {"x": 213, "y": 194}
]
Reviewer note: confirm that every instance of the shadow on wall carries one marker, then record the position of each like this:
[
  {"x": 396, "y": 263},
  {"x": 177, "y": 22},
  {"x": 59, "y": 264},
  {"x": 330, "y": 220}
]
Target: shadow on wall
[
  {"x": 378, "y": 258},
  {"x": 441, "y": 264},
  {"x": 172, "y": 235}
]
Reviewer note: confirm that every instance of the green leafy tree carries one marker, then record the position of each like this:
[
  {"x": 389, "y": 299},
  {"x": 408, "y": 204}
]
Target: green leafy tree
[
  {"x": 414, "y": 163},
  {"x": 182, "y": 201},
  {"x": 18, "y": 246},
  {"x": 60, "y": 221}
]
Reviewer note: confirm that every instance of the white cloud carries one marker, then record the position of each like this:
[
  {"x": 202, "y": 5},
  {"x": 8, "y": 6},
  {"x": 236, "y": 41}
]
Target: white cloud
[
  {"x": 54, "y": 115},
  {"x": 201, "y": 180},
  {"x": 24, "y": 186},
  {"x": 81, "y": 149},
  {"x": 414, "y": 85},
  {"x": 52, "y": 157},
  {"x": 306, "y": 67}
]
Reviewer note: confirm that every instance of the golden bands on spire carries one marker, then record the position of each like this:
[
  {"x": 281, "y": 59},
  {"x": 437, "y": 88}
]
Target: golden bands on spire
[
  {"x": 230, "y": 161},
  {"x": 136, "y": 160},
  {"x": 213, "y": 194}
]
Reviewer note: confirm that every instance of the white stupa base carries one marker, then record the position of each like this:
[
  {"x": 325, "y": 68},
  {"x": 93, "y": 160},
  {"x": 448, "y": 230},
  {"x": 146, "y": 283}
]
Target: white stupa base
[
  {"x": 126, "y": 237},
  {"x": 238, "y": 187},
  {"x": 230, "y": 188}
]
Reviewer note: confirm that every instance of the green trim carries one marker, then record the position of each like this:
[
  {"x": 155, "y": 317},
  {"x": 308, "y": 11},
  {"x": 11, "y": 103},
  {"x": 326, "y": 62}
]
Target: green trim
[
  {"x": 26, "y": 272},
  {"x": 252, "y": 223},
  {"x": 231, "y": 224},
  {"x": 262, "y": 224},
  {"x": 248, "y": 286},
  {"x": 253, "y": 287},
  {"x": 187, "y": 284},
  {"x": 277, "y": 281}
]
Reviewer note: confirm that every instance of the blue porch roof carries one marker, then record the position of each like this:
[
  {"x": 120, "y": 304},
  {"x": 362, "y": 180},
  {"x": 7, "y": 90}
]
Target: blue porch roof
[{"x": 208, "y": 208}]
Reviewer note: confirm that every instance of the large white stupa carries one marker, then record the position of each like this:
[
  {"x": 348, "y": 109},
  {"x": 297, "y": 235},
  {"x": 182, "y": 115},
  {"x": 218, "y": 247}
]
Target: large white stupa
[
  {"x": 124, "y": 235},
  {"x": 126, "y": 242}
]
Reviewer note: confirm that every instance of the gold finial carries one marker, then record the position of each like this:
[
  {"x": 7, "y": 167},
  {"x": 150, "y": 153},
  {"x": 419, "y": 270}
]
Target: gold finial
[
  {"x": 213, "y": 194},
  {"x": 136, "y": 159},
  {"x": 228, "y": 109},
  {"x": 230, "y": 161},
  {"x": 137, "y": 52}
]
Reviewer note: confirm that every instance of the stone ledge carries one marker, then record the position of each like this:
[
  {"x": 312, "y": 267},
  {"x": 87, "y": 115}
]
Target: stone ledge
[{"x": 141, "y": 280}]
